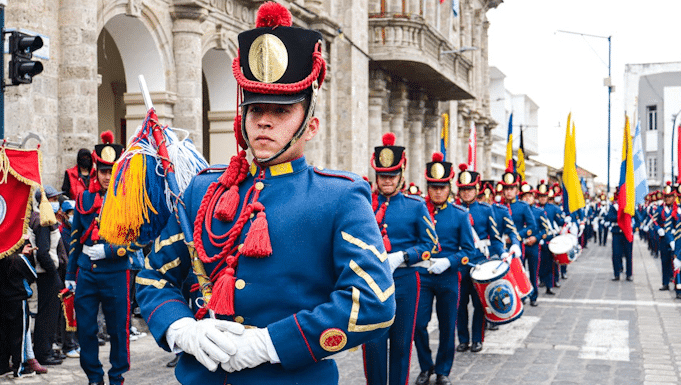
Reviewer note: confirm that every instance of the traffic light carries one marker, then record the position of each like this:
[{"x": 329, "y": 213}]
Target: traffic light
[{"x": 21, "y": 68}]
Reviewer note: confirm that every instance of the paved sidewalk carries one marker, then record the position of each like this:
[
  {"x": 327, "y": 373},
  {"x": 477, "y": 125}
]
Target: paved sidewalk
[{"x": 594, "y": 331}]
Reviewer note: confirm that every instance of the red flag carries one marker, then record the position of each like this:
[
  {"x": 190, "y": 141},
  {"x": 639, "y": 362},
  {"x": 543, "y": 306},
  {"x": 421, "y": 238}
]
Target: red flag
[
  {"x": 19, "y": 171},
  {"x": 473, "y": 148}
]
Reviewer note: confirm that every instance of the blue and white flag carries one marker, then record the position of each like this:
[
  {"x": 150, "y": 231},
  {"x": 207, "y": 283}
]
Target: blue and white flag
[
  {"x": 640, "y": 177},
  {"x": 455, "y": 7}
]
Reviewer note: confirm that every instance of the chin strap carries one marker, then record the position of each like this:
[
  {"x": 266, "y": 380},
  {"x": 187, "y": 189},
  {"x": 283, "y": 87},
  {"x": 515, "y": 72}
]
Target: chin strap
[{"x": 296, "y": 136}]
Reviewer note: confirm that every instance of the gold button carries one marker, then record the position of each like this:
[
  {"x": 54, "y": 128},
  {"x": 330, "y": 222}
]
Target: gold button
[
  {"x": 239, "y": 319},
  {"x": 529, "y": 232},
  {"x": 251, "y": 216},
  {"x": 387, "y": 203},
  {"x": 240, "y": 246},
  {"x": 240, "y": 284},
  {"x": 385, "y": 225},
  {"x": 94, "y": 265},
  {"x": 259, "y": 185},
  {"x": 121, "y": 251}
]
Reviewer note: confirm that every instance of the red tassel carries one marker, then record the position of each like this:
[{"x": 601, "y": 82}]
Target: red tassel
[
  {"x": 95, "y": 233},
  {"x": 201, "y": 313},
  {"x": 227, "y": 205},
  {"x": 386, "y": 241},
  {"x": 222, "y": 300},
  {"x": 257, "y": 243}
]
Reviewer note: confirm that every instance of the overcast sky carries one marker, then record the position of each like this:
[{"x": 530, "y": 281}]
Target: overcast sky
[{"x": 565, "y": 72}]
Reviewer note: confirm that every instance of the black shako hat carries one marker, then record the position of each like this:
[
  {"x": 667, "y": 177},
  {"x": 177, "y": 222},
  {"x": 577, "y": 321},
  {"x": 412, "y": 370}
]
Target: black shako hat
[{"x": 388, "y": 159}]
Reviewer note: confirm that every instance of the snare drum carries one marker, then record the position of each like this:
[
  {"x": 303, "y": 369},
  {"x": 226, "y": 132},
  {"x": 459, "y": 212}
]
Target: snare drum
[
  {"x": 497, "y": 291},
  {"x": 564, "y": 248},
  {"x": 523, "y": 284}
]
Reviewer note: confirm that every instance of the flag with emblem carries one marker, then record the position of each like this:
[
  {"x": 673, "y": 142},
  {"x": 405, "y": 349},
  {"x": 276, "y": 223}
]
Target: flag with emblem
[
  {"x": 19, "y": 173},
  {"x": 473, "y": 148},
  {"x": 640, "y": 177},
  {"x": 626, "y": 197}
]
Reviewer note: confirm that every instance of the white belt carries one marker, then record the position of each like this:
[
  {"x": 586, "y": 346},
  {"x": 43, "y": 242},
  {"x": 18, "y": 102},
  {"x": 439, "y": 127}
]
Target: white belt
[{"x": 425, "y": 264}]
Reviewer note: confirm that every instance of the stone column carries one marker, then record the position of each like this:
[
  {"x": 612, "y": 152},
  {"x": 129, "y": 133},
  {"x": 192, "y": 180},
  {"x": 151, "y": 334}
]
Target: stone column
[
  {"x": 187, "y": 53},
  {"x": 77, "y": 81},
  {"x": 485, "y": 153},
  {"x": 398, "y": 110},
  {"x": 377, "y": 95},
  {"x": 416, "y": 153},
  {"x": 432, "y": 123}
]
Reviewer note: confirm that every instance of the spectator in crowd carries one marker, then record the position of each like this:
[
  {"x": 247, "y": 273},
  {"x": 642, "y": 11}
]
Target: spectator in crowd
[
  {"x": 47, "y": 239},
  {"x": 16, "y": 273},
  {"x": 77, "y": 178},
  {"x": 69, "y": 344}
]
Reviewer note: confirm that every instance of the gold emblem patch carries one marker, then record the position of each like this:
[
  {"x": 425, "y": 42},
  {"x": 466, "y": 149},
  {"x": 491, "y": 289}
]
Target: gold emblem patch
[
  {"x": 386, "y": 157},
  {"x": 333, "y": 340},
  {"x": 465, "y": 177},
  {"x": 120, "y": 251},
  {"x": 426, "y": 255},
  {"x": 437, "y": 171},
  {"x": 268, "y": 58},
  {"x": 508, "y": 178},
  {"x": 108, "y": 154}
]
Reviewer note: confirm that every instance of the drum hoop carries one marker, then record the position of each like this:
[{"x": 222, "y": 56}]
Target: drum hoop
[{"x": 506, "y": 270}]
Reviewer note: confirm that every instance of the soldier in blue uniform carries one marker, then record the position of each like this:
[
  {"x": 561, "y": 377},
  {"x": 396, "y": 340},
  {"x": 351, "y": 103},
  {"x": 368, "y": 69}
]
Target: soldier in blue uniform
[
  {"x": 601, "y": 212},
  {"x": 410, "y": 239},
  {"x": 621, "y": 248},
  {"x": 298, "y": 267},
  {"x": 667, "y": 218},
  {"x": 559, "y": 271},
  {"x": 487, "y": 241},
  {"x": 441, "y": 280},
  {"x": 532, "y": 243},
  {"x": 100, "y": 274},
  {"x": 520, "y": 211},
  {"x": 554, "y": 216}
]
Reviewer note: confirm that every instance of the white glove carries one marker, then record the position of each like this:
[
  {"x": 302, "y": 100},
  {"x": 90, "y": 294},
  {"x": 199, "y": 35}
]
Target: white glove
[
  {"x": 581, "y": 227},
  {"x": 646, "y": 228},
  {"x": 439, "y": 265},
  {"x": 515, "y": 249},
  {"x": 660, "y": 232},
  {"x": 71, "y": 285},
  {"x": 395, "y": 259},
  {"x": 204, "y": 339},
  {"x": 671, "y": 245},
  {"x": 484, "y": 250},
  {"x": 573, "y": 229},
  {"x": 677, "y": 264},
  {"x": 253, "y": 347},
  {"x": 95, "y": 252},
  {"x": 541, "y": 242},
  {"x": 616, "y": 206},
  {"x": 504, "y": 255},
  {"x": 568, "y": 219}
]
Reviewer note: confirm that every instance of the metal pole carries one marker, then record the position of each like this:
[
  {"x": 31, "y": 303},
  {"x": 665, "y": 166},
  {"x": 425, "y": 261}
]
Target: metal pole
[
  {"x": 609, "y": 92},
  {"x": 673, "y": 129}
]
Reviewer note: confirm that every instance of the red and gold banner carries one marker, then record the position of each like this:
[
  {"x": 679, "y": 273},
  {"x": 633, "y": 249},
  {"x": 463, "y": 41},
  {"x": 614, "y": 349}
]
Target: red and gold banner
[{"x": 19, "y": 172}]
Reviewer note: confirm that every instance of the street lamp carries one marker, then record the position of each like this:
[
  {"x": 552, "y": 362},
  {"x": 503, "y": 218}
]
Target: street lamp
[{"x": 607, "y": 83}]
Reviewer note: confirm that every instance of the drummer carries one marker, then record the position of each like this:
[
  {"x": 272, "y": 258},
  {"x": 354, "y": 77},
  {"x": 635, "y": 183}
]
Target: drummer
[
  {"x": 487, "y": 244},
  {"x": 557, "y": 201},
  {"x": 520, "y": 211},
  {"x": 534, "y": 243},
  {"x": 441, "y": 280},
  {"x": 665, "y": 226},
  {"x": 554, "y": 216}
]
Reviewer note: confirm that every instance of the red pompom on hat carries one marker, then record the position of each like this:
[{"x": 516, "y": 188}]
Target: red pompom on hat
[
  {"x": 542, "y": 181},
  {"x": 463, "y": 167},
  {"x": 272, "y": 14},
  {"x": 438, "y": 157},
  {"x": 669, "y": 183},
  {"x": 389, "y": 139},
  {"x": 107, "y": 137}
]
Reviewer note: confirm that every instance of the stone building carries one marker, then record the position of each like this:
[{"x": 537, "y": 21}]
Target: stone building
[{"x": 393, "y": 66}]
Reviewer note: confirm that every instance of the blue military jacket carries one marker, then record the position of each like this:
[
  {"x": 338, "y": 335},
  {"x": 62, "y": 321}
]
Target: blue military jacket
[
  {"x": 523, "y": 219},
  {"x": 554, "y": 213},
  {"x": 328, "y": 278},
  {"x": 505, "y": 224},
  {"x": 667, "y": 221},
  {"x": 612, "y": 219},
  {"x": 485, "y": 227},
  {"x": 456, "y": 241},
  {"x": 118, "y": 258},
  {"x": 544, "y": 227},
  {"x": 409, "y": 228}
]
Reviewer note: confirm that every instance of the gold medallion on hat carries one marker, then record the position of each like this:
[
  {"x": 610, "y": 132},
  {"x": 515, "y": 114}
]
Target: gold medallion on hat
[
  {"x": 465, "y": 177},
  {"x": 386, "y": 157},
  {"x": 542, "y": 189},
  {"x": 437, "y": 170},
  {"x": 108, "y": 154},
  {"x": 667, "y": 190},
  {"x": 508, "y": 178},
  {"x": 268, "y": 58},
  {"x": 413, "y": 190},
  {"x": 525, "y": 188}
]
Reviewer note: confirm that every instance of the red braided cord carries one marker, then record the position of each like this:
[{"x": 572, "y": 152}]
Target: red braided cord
[
  {"x": 318, "y": 72},
  {"x": 431, "y": 208}
]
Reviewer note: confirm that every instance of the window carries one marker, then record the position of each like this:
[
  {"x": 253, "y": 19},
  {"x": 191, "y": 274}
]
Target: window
[
  {"x": 651, "y": 111},
  {"x": 652, "y": 167}
]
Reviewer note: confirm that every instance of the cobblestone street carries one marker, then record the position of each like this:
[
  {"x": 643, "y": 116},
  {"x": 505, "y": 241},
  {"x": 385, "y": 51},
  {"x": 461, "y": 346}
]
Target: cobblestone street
[{"x": 594, "y": 331}]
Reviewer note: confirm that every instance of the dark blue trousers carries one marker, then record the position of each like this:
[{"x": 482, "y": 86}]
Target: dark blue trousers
[
  {"x": 546, "y": 266},
  {"x": 532, "y": 261},
  {"x": 478, "y": 326},
  {"x": 444, "y": 289},
  {"x": 401, "y": 335},
  {"x": 666, "y": 256},
  {"x": 112, "y": 291},
  {"x": 621, "y": 248}
]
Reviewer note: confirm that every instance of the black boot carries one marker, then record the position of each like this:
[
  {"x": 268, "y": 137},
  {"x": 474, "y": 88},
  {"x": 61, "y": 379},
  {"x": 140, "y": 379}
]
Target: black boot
[
  {"x": 424, "y": 377},
  {"x": 441, "y": 379}
]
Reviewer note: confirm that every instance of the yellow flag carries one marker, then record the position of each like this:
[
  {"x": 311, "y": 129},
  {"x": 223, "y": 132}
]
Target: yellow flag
[
  {"x": 628, "y": 159},
  {"x": 573, "y": 189}
]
